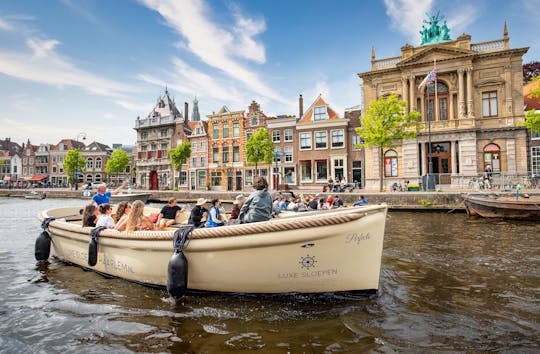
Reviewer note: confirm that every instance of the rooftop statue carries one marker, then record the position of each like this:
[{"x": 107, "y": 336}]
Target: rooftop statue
[{"x": 434, "y": 33}]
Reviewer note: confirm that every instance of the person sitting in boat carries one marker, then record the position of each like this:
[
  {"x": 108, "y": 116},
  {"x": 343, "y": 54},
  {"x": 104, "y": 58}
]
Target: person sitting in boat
[
  {"x": 258, "y": 206},
  {"x": 237, "y": 204},
  {"x": 215, "y": 217},
  {"x": 361, "y": 201},
  {"x": 137, "y": 220},
  {"x": 337, "y": 203},
  {"x": 198, "y": 213},
  {"x": 314, "y": 203},
  {"x": 122, "y": 213},
  {"x": 104, "y": 196},
  {"x": 90, "y": 215},
  {"x": 168, "y": 214},
  {"x": 105, "y": 219}
]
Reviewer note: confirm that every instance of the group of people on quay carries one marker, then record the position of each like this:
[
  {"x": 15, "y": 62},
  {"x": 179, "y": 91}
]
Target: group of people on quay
[{"x": 259, "y": 206}]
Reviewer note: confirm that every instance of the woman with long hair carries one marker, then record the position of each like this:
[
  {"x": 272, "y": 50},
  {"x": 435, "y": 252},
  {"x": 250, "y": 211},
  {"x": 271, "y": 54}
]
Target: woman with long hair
[
  {"x": 137, "y": 220},
  {"x": 122, "y": 213},
  {"x": 90, "y": 215}
]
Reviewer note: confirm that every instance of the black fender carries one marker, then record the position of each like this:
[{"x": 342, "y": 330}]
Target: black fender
[
  {"x": 93, "y": 245},
  {"x": 43, "y": 242},
  {"x": 177, "y": 270}
]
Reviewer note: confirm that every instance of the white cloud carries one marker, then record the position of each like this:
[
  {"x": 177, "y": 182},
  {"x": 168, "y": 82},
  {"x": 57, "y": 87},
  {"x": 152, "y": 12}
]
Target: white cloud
[
  {"x": 42, "y": 64},
  {"x": 217, "y": 46},
  {"x": 5, "y": 25},
  {"x": 406, "y": 16}
]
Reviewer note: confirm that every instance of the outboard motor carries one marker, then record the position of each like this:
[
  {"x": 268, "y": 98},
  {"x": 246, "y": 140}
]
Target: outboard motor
[
  {"x": 43, "y": 242},
  {"x": 93, "y": 245},
  {"x": 177, "y": 272}
]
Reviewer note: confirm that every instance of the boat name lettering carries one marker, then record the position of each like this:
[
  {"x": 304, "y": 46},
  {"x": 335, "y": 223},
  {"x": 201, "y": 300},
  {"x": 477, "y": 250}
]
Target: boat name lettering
[
  {"x": 118, "y": 266},
  {"x": 308, "y": 274},
  {"x": 357, "y": 238},
  {"x": 77, "y": 255}
]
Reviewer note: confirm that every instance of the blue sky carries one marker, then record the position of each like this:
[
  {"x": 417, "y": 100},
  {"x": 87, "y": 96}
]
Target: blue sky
[{"x": 93, "y": 66}]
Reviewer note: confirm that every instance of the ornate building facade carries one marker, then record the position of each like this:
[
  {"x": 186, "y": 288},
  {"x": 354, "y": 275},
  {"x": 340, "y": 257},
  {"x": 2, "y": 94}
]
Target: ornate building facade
[{"x": 469, "y": 121}]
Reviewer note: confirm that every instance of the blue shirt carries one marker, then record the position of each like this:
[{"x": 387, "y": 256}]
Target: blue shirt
[
  {"x": 102, "y": 198},
  {"x": 360, "y": 202}
]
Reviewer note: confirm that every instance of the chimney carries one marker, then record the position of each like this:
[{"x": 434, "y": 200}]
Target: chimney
[
  {"x": 300, "y": 107},
  {"x": 186, "y": 111}
]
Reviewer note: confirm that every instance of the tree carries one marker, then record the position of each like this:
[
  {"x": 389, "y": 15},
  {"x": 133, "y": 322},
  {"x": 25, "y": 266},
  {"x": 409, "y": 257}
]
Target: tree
[
  {"x": 179, "y": 156},
  {"x": 117, "y": 163},
  {"x": 383, "y": 124},
  {"x": 260, "y": 148},
  {"x": 74, "y": 162},
  {"x": 532, "y": 121},
  {"x": 530, "y": 70},
  {"x": 535, "y": 91}
]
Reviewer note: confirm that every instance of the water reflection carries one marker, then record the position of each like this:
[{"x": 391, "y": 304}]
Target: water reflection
[{"x": 448, "y": 283}]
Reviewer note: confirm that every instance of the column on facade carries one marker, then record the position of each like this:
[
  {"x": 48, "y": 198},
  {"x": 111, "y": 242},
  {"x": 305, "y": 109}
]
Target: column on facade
[
  {"x": 451, "y": 105},
  {"x": 411, "y": 93},
  {"x": 461, "y": 96},
  {"x": 405, "y": 92},
  {"x": 453, "y": 153},
  {"x": 507, "y": 91},
  {"x": 470, "y": 111},
  {"x": 423, "y": 157}
]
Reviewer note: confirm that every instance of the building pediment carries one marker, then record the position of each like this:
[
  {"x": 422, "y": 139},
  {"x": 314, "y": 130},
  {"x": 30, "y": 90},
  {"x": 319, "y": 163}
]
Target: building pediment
[{"x": 437, "y": 52}]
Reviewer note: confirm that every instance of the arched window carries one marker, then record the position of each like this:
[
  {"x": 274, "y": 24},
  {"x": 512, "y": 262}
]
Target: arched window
[
  {"x": 442, "y": 97},
  {"x": 492, "y": 157},
  {"x": 98, "y": 162},
  {"x": 390, "y": 163},
  {"x": 90, "y": 163},
  {"x": 97, "y": 178},
  {"x": 88, "y": 178}
]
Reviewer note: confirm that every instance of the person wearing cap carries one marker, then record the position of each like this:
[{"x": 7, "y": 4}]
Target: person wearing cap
[
  {"x": 168, "y": 214},
  {"x": 258, "y": 206},
  {"x": 237, "y": 204},
  {"x": 198, "y": 213}
]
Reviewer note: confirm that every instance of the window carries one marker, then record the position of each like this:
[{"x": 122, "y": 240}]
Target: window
[
  {"x": 164, "y": 133},
  {"x": 215, "y": 155},
  {"x": 164, "y": 148},
  {"x": 90, "y": 163},
  {"x": 355, "y": 141},
  {"x": 97, "y": 178},
  {"x": 225, "y": 154},
  {"x": 288, "y": 153},
  {"x": 215, "y": 179},
  {"x": 203, "y": 162},
  {"x": 390, "y": 164},
  {"x": 183, "y": 178},
  {"x": 288, "y": 135},
  {"x": 254, "y": 120},
  {"x": 25, "y": 161},
  {"x": 225, "y": 130},
  {"x": 193, "y": 162},
  {"x": 201, "y": 176},
  {"x": 535, "y": 136},
  {"x": 305, "y": 141},
  {"x": 289, "y": 175},
  {"x": 305, "y": 171},
  {"x": 320, "y": 113},
  {"x": 144, "y": 148},
  {"x": 337, "y": 138},
  {"x": 535, "y": 161},
  {"x": 489, "y": 104},
  {"x": 198, "y": 130},
  {"x": 275, "y": 136},
  {"x": 492, "y": 154},
  {"x": 98, "y": 163},
  {"x": 144, "y": 135},
  {"x": 215, "y": 131},
  {"x": 25, "y": 171},
  {"x": 321, "y": 140},
  {"x": 236, "y": 154},
  {"x": 248, "y": 177},
  {"x": 321, "y": 167},
  {"x": 236, "y": 130}
]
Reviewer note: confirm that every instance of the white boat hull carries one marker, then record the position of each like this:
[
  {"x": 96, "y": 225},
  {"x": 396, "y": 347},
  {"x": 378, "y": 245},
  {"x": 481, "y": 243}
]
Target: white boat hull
[{"x": 336, "y": 251}]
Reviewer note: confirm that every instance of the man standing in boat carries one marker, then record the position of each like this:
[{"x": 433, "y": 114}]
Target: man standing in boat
[{"x": 104, "y": 196}]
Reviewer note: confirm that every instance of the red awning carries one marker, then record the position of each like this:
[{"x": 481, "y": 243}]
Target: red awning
[{"x": 37, "y": 178}]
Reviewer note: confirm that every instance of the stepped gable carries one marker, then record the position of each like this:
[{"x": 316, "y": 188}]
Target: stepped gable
[{"x": 165, "y": 107}]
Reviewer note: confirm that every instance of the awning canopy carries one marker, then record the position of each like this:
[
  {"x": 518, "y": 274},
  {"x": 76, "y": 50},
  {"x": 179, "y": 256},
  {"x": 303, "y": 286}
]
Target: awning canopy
[
  {"x": 7, "y": 178},
  {"x": 38, "y": 178}
]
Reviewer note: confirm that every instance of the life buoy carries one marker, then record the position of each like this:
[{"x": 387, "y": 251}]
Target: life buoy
[
  {"x": 177, "y": 270},
  {"x": 43, "y": 242}
]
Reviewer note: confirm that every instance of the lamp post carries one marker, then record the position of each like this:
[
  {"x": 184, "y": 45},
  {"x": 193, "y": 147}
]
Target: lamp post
[{"x": 83, "y": 136}]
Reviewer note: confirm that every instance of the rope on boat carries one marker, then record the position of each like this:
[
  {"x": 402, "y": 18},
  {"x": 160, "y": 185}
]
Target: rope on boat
[
  {"x": 45, "y": 223},
  {"x": 180, "y": 237}
]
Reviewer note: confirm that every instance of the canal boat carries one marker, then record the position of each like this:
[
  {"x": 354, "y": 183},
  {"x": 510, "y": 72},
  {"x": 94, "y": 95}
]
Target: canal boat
[
  {"x": 129, "y": 197},
  {"x": 523, "y": 207},
  {"x": 312, "y": 252},
  {"x": 35, "y": 195}
]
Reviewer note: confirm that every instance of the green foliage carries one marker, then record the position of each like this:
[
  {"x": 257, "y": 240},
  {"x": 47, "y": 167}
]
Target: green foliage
[
  {"x": 535, "y": 92},
  {"x": 118, "y": 162},
  {"x": 532, "y": 121},
  {"x": 425, "y": 202},
  {"x": 260, "y": 148},
  {"x": 74, "y": 161},
  {"x": 179, "y": 155},
  {"x": 384, "y": 123}
]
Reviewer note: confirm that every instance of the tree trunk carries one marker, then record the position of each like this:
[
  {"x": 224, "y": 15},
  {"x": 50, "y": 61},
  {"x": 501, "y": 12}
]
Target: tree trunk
[{"x": 381, "y": 169}]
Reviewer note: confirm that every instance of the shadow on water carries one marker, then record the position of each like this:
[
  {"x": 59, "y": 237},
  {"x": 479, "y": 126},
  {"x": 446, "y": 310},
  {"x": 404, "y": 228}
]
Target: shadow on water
[{"x": 448, "y": 283}]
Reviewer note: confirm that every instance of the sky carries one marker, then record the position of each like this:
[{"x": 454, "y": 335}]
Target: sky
[{"x": 69, "y": 67}]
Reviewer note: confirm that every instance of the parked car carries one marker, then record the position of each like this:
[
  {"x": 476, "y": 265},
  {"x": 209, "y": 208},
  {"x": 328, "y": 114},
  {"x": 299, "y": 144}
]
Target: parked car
[{"x": 93, "y": 185}]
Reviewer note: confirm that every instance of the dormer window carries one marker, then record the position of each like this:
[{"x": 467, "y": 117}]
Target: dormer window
[
  {"x": 254, "y": 121},
  {"x": 320, "y": 113}
]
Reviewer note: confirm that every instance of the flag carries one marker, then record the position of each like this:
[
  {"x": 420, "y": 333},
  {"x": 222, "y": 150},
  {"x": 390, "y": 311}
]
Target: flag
[{"x": 431, "y": 77}]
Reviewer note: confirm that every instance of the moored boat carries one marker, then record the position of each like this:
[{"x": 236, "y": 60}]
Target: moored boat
[
  {"x": 335, "y": 250},
  {"x": 35, "y": 195},
  {"x": 503, "y": 206},
  {"x": 129, "y": 197}
]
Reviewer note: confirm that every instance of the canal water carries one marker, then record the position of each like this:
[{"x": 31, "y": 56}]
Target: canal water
[{"x": 449, "y": 283}]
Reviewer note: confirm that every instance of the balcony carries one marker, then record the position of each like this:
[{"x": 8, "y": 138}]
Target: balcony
[{"x": 153, "y": 122}]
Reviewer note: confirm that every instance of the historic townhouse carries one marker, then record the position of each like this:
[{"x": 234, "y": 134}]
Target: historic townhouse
[
  {"x": 254, "y": 120},
  {"x": 96, "y": 156},
  {"x": 355, "y": 175},
  {"x": 533, "y": 103},
  {"x": 283, "y": 132},
  {"x": 161, "y": 130},
  {"x": 198, "y": 162},
  {"x": 57, "y": 155},
  {"x": 479, "y": 103},
  {"x": 10, "y": 162},
  {"x": 322, "y": 145}
]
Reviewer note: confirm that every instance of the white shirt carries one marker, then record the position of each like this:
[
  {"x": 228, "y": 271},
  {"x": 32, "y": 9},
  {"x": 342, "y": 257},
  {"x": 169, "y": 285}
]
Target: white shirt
[{"x": 105, "y": 220}]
